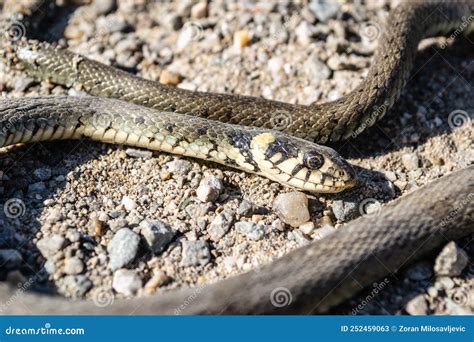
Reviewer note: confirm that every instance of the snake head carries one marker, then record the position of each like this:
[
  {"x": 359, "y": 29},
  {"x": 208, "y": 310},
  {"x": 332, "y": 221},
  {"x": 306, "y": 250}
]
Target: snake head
[{"x": 301, "y": 164}]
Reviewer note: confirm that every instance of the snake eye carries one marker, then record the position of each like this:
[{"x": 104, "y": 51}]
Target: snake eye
[{"x": 314, "y": 160}]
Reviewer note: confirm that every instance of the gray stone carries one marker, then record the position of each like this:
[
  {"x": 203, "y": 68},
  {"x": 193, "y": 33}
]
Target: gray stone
[
  {"x": 410, "y": 161},
  {"x": 157, "y": 234},
  {"x": 102, "y": 7},
  {"x": 345, "y": 210},
  {"x": 247, "y": 209},
  {"x": 42, "y": 174},
  {"x": 300, "y": 239},
  {"x": 77, "y": 285},
  {"x": 73, "y": 266},
  {"x": 123, "y": 248},
  {"x": 220, "y": 225},
  {"x": 136, "y": 153},
  {"x": 50, "y": 245},
  {"x": 10, "y": 259},
  {"x": 209, "y": 189},
  {"x": 195, "y": 253},
  {"x": 324, "y": 9},
  {"x": 292, "y": 208},
  {"x": 307, "y": 228},
  {"x": 451, "y": 261},
  {"x": 37, "y": 187},
  {"x": 417, "y": 306},
  {"x": 252, "y": 230},
  {"x": 317, "y": 70},
  {"x": 324, "y": 231},
  {"x": 22, "y": 83},
  {"x": 129, "y": 203},
  {"x": 126, "y": 282},
  {"x": 179, "y": 166}
]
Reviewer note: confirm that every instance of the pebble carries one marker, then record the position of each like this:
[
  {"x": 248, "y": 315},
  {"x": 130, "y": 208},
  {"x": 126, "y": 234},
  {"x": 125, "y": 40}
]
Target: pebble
[
  {"x": 324, "y": 231},
  {"x": 199, "y": 10},
  {"x": 251, "y": 230},
  {"x": 179, "y": 166},
  {"x": 419, "y": 271},
  {"x": 195, "y": 253},
  {"x": 157, "y": 280},
  {"x": 168, "y": 77},
  {"x": 122, "y": 248},
  {"x": 300, "y": 239},
  {"x": 220, "y": 225},
  {"x": 345, "y": 210},
  {"x": 50, "y": 245},
  {"x": 241, "y": 39},
  {"x": 103, "y": 7},
  {"x": 73, "y": 266},
  {"x": 292, "y": 208},
  {"x": 445, "y": 283},
  {"x": 42, "y": 174},
  {"x": 417, "y": 306},
  {"x": 451, "y": 261},
  {"x": 247, "y": 209},
  {"x": 157, "y": 234},
  {"x": 307, "y": 228},
  {"x": 209, "y": 189},
  {"x": 10, "y": 259},
  {"x": 37, "y": 187},
  {"x": 324, "y": 9},
  {"x": 126, "y": 282},
  {"x": 22, "y": 83},
  {"x": 410, "y": 161},
  {"x": 137, "y": 153},
  {"x": 317, "y": 69},
  {"x": 77, "y": 285},
  {"x": 128, "y": 203}
]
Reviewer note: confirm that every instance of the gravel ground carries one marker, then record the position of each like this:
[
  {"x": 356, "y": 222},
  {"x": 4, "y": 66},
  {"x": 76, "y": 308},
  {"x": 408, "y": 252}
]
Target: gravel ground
[{"x": 90, "y": 220}]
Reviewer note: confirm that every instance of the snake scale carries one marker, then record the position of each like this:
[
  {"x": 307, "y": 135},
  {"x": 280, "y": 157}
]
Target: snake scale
[{"x": 214, "y": 127}]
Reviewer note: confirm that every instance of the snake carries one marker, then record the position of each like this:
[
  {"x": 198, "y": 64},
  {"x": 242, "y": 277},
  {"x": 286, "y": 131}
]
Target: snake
[{"x": 246, "y": 133}]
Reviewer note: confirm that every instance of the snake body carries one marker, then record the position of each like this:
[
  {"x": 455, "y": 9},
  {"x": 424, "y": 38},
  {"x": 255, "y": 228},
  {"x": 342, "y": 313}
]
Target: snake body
[{"x": 316, "y": 275}]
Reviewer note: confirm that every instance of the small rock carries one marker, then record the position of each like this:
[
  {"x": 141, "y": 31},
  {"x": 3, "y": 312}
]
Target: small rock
[
  {"x": 220, "y": 225},
  {"x": 391, "y": 176},
  {"x": 157, "y": 234},
  {"x": 417, "y": 306},
  {"x": 129, "y": 203},
  {"x": 445, "y": 283},
  {"x": 179, "y": 166},
  {"x": 50, "y": 245},
  {"x": 42, "y": 174},
  {"x": 252, "y": 230},
  {"x": 324, "y": 231},
  {"x": 247, "y": 209},
  {"x": 22, "y": 83},
  {"x": 292, "y": 208},
  {"x": 103, "y": 7},
  {"x": 307, "y": 228},
  {"x": 170, "y": 78},
  {"x": 410, "y": 161},
  {"x": 345, "y": 210},
  {"x": 300, "y": 239},
  {"x": 199, "y": 10},
  {"x": 209, "y": 189},
  {"x": 10, "y": 259},
  {"x": 77, "y": 285},
  {"x": 317, "y": 70},
  {"x": 136, "y": 153},
  {"x": 451, "y": 261},
  {"x": 37, "y": 187},
  {"x": 195, "y": 253},
  {"x": 122, "y": 248},
  {"x": 324, "y": 9},
  {"x": 157, "y": 280},
  {"x": 241, "y": 39},
  {"x": 73, "y": 266},
  {"x": 126, "y": 282},
  {"x": 419, "y": 271}
]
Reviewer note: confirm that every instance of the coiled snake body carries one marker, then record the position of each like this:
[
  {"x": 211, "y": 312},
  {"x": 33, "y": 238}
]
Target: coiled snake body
[{"x": 122, "y": 117}]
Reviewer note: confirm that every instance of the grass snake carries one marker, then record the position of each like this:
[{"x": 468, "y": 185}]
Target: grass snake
[{"x": 209, "y": 126}]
